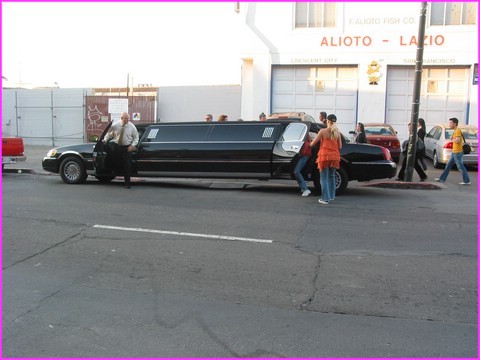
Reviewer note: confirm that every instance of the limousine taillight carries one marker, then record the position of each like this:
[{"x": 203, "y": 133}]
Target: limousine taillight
[{"x": 386, "y": 154}]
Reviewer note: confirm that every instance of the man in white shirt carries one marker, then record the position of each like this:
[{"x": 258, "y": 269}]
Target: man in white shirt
[{"x": 125, "y": 134}]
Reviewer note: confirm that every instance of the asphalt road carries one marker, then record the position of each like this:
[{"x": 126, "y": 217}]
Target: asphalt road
[{"x": 232, "y": 269}]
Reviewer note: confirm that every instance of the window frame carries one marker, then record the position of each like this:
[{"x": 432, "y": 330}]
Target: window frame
[
  {"x": 308, "y": 24},
  {"x": 462, "y": 15}
]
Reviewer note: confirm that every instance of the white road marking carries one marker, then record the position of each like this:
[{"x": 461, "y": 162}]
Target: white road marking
[{"x": 180, "y": 233}]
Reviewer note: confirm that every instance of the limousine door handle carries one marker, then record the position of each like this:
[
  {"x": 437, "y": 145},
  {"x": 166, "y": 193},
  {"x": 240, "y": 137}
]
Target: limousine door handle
[{"x": 294, "y": 147}]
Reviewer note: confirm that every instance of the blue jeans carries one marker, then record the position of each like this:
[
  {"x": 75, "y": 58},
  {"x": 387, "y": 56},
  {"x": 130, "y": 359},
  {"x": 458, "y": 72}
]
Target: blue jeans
[
  {"x": 327, "y": 180},
  {"x": 456, "y": 158},
  {"x": 297, "y": 172}
]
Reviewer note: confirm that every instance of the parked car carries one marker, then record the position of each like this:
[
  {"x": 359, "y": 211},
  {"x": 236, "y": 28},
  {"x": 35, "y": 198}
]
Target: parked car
[
  {"x": 384, "y": 135},
  {"x": 438, "y": 145},
  {"x": 250, "y": 150},
  {"x": 12, "y": 150}
]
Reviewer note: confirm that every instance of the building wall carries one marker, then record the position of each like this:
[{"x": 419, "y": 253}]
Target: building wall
[
  {"x": 56, "y": 117},
  {"x": 44, "y": 116},
  {"x": 191, "y": 103},
  {"x": 365, "y": 33}
]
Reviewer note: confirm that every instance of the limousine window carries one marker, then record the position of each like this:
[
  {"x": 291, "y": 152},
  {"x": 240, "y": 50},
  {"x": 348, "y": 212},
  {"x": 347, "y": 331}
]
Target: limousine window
[
  {"x": 294, "y": 132},
  {"x": 243, "y": 132},
  {"x": 291, "y": 141},
  {"x": 178, "y": 133}
]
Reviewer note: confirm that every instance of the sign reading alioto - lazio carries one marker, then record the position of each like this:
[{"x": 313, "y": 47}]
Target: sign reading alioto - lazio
[{"x": 402, "y": 40}]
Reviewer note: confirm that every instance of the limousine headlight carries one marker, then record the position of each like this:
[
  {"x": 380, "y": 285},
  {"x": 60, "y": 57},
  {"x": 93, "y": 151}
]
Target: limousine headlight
[{"x": 52, "y": 153}]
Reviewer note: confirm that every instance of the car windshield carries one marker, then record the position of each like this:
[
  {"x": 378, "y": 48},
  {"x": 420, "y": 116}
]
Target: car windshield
[
  {"x": 468, "y": 133},
  {"x": 378, "y": 130}
]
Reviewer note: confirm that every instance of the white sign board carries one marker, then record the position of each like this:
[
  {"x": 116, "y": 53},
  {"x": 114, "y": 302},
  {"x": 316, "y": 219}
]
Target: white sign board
[{"x": 117, "y": 106}]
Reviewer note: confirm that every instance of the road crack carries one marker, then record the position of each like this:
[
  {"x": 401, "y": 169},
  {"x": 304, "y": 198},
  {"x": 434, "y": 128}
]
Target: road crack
[{"x": 53, "y": 246}]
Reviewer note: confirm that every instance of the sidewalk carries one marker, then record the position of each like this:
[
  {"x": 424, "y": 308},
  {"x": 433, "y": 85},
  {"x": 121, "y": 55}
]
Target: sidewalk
[
  {"x": 33, "y": 163},
  {"x": 36, "y": 153}
]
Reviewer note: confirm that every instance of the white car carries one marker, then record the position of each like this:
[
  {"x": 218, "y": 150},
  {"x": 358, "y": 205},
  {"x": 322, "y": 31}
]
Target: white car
[{"x": 438, "y": 145}]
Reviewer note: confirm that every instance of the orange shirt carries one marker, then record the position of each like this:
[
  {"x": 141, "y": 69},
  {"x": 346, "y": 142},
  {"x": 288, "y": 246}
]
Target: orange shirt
[{"x": 328, "y": 154}]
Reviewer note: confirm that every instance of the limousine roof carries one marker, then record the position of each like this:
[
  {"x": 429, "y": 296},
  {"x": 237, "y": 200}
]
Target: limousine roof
[{"x": 226, "y": 123}]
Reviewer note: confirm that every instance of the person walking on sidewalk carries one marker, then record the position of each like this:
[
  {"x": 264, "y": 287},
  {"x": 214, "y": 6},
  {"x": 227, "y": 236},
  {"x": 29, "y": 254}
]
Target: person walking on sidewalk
[
  {"x": 457, "y": 155},
  {"x": 417, "y": 164},
  {"x": 421, "y": 135},
  {"x": 328, "y": 159}
]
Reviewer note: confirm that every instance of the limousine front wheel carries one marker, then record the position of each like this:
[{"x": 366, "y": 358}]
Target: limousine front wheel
[{"x": 72, "y": 170}]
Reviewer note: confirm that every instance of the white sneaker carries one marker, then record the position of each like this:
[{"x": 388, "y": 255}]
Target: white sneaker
[
  {"x": 306, "y": 192},
  {"x": 332, "y": 199},
  {"x": 323, "y": 202},
  {"x": 464, "y": 183},
  {"x": 439, "y": 180}
]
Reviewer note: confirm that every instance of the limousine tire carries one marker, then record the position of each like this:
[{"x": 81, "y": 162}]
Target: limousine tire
[
  {"x": 72, "y": 170},
  {"x": 341, "y": 180}
]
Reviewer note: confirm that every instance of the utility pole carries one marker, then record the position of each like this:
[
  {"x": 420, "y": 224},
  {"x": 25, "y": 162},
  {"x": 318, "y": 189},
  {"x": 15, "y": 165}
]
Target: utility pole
[{"x": 412, "y": 145}]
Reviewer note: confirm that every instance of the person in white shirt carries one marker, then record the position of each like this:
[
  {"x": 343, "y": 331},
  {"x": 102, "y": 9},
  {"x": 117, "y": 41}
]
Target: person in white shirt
[{"x": 125, "y": 135}]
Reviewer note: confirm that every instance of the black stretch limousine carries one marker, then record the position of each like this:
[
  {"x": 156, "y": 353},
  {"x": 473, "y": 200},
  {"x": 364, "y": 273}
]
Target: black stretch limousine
[{"x": 249, "y": 150}]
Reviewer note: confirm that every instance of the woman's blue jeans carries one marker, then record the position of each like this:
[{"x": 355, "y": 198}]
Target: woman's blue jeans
[
  {"x": 327, "y": 180},
  {"x": 298, "y": 173},
  {"x": 456, "y": 158}
]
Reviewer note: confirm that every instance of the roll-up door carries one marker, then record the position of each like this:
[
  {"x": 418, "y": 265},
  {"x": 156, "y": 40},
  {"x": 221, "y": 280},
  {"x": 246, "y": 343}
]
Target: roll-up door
[
  {"x": 444, "y": 94},
  {"x": 315, "y": 89}
]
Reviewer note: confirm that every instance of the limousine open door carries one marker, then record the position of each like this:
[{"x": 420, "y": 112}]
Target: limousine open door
[
  {"x": 291, "y": 141},
  {"x": 287, "y": 147},
  {"x": 100, "y": 153}
]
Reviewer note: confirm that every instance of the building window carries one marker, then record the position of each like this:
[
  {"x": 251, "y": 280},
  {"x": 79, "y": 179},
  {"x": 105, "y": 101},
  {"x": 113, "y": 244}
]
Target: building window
[
  {"x": 315, "y": 15},
  {"x": 453, "y": 13}
]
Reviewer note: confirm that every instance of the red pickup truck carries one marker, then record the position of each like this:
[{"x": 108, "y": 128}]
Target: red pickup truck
[{"x": 12, "y": 150}]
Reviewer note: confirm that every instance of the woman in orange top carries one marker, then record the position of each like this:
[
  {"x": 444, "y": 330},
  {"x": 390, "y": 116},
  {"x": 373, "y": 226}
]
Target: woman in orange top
[{"x": 328, "y": 159}]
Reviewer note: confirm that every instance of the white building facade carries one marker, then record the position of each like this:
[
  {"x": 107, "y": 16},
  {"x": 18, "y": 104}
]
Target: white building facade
[{"x": 357, "y": 60}]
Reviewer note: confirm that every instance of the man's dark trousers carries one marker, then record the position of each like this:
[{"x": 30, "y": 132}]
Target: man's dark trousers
[{"x": 126, "y": 160}]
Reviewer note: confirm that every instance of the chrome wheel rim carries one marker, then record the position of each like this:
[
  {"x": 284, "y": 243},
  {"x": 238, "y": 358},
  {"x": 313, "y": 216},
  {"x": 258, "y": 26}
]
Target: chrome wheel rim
[{"x": 72, "y": 171}]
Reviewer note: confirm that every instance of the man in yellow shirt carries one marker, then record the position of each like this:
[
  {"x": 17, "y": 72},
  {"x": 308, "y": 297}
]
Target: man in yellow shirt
[{"x": 457, "y": 154}]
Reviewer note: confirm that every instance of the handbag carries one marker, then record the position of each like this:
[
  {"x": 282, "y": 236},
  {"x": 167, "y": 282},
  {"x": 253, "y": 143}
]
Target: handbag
[
  {"x": 466, "y": 148},
  {"x": 420, "y": 146}
]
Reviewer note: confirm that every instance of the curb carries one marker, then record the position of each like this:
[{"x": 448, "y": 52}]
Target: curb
[
  {"x": 407, "y": 185},
  {"x": 26, "y": 171}
]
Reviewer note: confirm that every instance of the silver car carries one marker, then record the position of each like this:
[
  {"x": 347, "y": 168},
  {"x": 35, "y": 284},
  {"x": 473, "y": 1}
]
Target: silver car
[{"x": 438, "y": 145}]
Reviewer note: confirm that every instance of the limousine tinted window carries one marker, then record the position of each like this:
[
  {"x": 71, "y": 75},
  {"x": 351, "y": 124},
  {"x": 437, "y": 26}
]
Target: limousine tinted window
[
  {"x": 243, "y": 132},
  {"x": 294, "y": 132},
  {"x": 178, "y": 133}
]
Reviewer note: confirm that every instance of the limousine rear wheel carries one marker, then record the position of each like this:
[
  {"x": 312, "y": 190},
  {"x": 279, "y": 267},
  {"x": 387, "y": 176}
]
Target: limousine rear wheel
[
  {"x": 341, "y": 180},
  {"x": 72, "y": 170}
]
